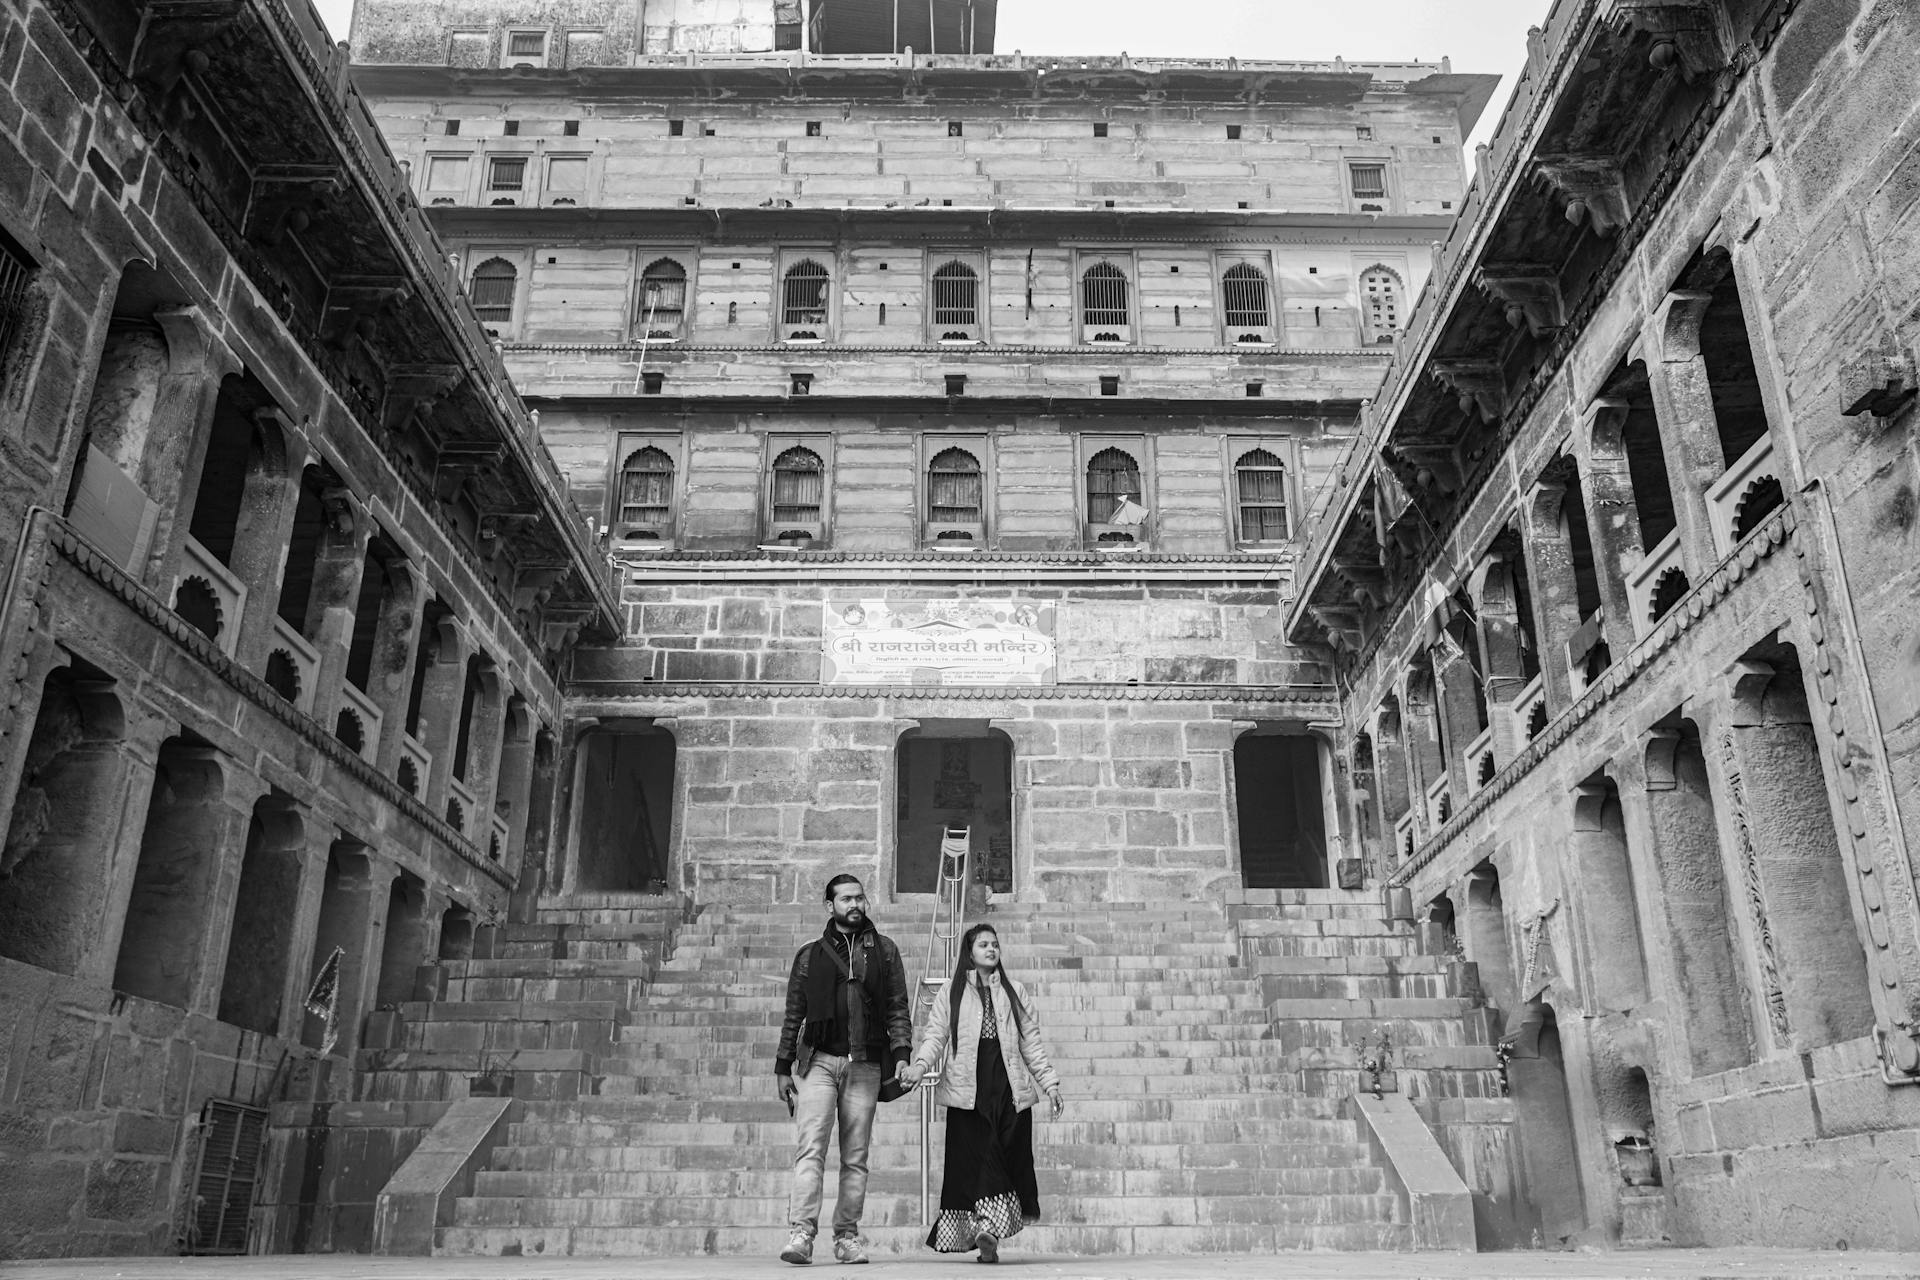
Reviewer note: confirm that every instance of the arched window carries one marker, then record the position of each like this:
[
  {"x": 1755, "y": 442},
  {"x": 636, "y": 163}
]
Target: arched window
[
  {"x": 646, "y": 491},
  {"x": 1380, "y": 304},
  {"x": 491, "y": 291},
  {"x": 799, "y": 487},
  {"x": 1248, "y": 303},
  {"x": 954, "y": 494},
  {"x": 956, "y": 301},
  {"x": 662, "y": 305},
  {"x": 1103, "y": 303},
  {"x": 803, "y": 311},
  {"x": 1261, "y": 480},
  {"x": 1112, "y": 474}
]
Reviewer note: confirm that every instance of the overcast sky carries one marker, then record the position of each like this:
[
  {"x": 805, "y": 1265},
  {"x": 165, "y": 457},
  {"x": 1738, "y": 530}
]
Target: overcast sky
[{"x": 1479, "y": 35}]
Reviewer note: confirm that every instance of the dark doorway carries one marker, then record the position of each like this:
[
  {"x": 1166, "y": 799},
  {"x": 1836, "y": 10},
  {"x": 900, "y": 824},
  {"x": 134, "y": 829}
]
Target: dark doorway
[
  {"x": 1283, "y": 832},
  {"x": 625, "y": 796},
  {"x": 964, "y": 777}
]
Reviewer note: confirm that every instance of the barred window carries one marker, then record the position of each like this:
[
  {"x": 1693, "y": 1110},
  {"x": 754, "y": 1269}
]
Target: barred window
[
  {"x": 956, "y": 299},
  {"x": 491, "y": 291},
  {"x": 1380, "y": 302},
  {"x": 1103, "y": 299},
  {"x": 799, "y": 487},
  {"x": 506, "y": 173},
  {"x": 1262, "y": 481},
  {"x": 1248, "y": 304},
  {"x": 805, "y": 302},
  {"x": 16, "y": 284},
  {"x": 663, "y": 299},
  {"x": 1112, "y": 474},
  {"x": 954, "y": 494},
  {"x": 526, "y": 44},
  {"x": 1369, "y": 181},
  {"x": 646, "y": 488}
]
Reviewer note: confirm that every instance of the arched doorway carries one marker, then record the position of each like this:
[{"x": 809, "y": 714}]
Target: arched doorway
[
  {"x": 624, "y": 805},
  {"x": 958, "y": 772}
]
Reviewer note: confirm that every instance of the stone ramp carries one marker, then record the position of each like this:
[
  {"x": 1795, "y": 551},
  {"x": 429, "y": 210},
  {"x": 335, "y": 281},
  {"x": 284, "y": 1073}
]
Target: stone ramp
[{"x": 1189, "y": 1126}]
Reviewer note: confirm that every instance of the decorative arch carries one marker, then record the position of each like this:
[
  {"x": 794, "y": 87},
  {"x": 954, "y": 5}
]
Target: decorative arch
[
  {"x": 491, "y": 290},
  {"x": 1383, "y": 303}
]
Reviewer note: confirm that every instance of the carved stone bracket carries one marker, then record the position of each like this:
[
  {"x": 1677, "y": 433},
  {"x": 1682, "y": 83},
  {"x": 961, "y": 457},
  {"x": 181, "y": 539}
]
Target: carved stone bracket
[
  {"x": 287, "y": 198},
  {"x": 1880, "y": 382},
  {"x": 560, "y": 623},
  {"x": 1431, "y": 466},
  {"x": 1592, "y": 188},
  {"x": 1476, "y": 382},
  {"x": 1604, "y": 425},
  {"x": 1530, "y": 293},
  {"x": 1685, "y": 33}
]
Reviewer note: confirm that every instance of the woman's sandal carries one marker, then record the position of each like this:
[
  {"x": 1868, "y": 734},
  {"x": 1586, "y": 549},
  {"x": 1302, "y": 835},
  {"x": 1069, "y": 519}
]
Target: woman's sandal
[{"x": 989, "y": 1246}]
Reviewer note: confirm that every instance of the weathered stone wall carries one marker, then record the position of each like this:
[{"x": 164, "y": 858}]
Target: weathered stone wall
[
  {"x": 1697, "y": 860},
  {"x": 839, "y": 149}
]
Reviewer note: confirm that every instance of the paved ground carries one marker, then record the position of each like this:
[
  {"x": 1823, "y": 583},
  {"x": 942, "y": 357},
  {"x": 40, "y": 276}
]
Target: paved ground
[{"x": 1675, "y": 1264}]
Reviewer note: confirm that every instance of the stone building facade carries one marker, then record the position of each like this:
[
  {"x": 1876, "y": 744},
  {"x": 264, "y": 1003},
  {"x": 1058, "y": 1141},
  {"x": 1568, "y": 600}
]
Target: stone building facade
[
  {"x": 813, "y": 332},
  {"x": 291, "y": 582},
  {"x": 1619, "y": 574}
]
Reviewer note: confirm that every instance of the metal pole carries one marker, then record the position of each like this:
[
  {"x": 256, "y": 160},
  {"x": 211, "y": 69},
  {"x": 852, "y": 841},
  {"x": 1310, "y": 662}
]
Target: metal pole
[{"x": 933, "y": 31}]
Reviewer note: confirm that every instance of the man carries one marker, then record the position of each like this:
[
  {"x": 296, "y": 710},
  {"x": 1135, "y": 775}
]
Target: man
[{"x": 849, "y": 1021}]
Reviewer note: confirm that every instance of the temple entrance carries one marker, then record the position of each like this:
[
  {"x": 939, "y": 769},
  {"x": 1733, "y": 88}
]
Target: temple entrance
[
  {"x": 623, "y": 797},
  {"x": 1278, "y": 798},
  {"x": 961, "y": 773}
]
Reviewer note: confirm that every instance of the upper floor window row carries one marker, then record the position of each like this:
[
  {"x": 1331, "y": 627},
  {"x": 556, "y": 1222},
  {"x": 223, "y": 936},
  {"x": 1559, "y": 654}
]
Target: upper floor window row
[
  {"x": 1107, "y": 301},
  {"x": 954, "y": 498}
]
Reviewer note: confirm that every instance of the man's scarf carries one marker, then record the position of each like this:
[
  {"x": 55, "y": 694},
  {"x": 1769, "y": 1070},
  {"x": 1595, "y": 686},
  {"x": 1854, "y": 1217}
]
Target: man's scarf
[{"x": 829, "y": 968}]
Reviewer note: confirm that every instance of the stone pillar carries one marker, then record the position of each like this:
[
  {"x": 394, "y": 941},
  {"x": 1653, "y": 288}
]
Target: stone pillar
[
  {"x": 122, "y": 809},
  {"x": 234, "y": 817},
  {"x": 1390, "y": 775},
  {"x": 483, "y": 754},
  {"x": 1499, "y": 635},
  {"x": 1425, "y": 764},
  {"x": 264, "y": 529},
  {"x": 1612, "y": 518},
  {"x": 1689, "y": 430},
  {"x": 514, "y": 781},
  {"x": 440, "y": 709},
  {"x": 531, "y": 858},
  {"x": 390, "y": 681},
  {"x": 1556, "y": 600},
  {"x": 197, "y": 363},
  {"x": 1608, "y": 913},
  {"x": 352, "y": 918},
  {"x": 1458, "y": 704},
  {"x": 337, "y": 569},
  {"x": 302, "y": 962}
]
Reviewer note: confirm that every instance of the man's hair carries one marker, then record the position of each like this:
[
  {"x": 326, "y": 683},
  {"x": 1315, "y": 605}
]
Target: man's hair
[{"x": 837, "y": 881}]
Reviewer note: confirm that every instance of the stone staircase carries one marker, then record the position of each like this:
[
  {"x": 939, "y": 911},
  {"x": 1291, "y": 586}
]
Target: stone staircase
[{"x": 1208, "y": 1055}]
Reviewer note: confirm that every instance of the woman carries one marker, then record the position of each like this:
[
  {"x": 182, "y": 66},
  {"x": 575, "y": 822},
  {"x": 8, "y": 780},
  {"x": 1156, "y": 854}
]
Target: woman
[{"x": 983, "y": 1029}]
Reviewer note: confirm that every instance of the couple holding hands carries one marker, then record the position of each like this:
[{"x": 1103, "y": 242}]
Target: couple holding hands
[{"x": 849, "y": 1023}]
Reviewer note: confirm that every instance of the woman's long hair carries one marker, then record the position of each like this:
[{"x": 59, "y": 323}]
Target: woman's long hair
[{"x": 958, "y": 987}]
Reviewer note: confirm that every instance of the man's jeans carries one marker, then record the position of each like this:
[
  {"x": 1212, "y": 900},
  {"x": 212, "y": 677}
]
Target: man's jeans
[{"x": 833, "y": 1085}]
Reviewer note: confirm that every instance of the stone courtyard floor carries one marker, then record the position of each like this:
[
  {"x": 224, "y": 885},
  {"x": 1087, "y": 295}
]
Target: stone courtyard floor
[{"x": 1676, "y": 1264}]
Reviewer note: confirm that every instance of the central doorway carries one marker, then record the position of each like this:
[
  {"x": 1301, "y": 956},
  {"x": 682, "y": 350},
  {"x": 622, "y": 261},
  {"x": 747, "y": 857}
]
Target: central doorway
[
  {"x": 1282, "y": 811},
  {"x": 624, "y": 810},
  {"x": 959, "y": 773}
]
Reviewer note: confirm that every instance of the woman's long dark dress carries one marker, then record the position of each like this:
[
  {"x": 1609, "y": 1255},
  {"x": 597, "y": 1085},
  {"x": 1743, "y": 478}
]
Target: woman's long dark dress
[{"x": 989, "y": 1183}]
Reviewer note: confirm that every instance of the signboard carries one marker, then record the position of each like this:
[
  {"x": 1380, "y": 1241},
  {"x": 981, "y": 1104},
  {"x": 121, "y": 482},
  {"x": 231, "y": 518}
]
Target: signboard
[{"x": 938, "y": 642}]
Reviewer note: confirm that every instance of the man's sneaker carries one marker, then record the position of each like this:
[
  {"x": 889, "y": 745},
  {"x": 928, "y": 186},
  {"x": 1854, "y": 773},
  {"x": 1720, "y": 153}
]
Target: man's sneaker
[
  {"x": 989, "y": 1246},
  {"x": 849, "y": 1249},
  {"x": 799, "y": 1250}
]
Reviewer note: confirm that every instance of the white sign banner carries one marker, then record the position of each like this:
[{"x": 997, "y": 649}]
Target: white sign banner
[{"x": 958, "y": 642}]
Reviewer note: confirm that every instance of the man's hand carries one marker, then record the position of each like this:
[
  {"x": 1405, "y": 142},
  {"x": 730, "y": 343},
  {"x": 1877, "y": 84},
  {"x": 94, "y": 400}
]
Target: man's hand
[
  {"x": 910, "y": 1074},
  {"x": 788, "y": 1092}
]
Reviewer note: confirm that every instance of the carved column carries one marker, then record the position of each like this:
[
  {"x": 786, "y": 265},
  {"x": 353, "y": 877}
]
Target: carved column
[
  {"x": 1683, "y": 403},
  {"x": 264, "y": 529},
  {"x": 440, "y": 707},
  {"x": 1556, "y": 598},
  {"x": 1501, "y": 641},
  {"x": 1612, "y": 519},
  {"x": 197, "y": 363},
  {"x": 483, "y": 755},
  {"x": 515, "y": 780},
  {"x": 337, "y": 569},
  {"x": 398, "y": 638},
  {"x": 226, "y": 829}
]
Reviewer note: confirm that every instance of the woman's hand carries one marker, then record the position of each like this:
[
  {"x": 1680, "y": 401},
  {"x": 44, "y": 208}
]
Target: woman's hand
[
  {"x": 1059, "y": 1103},
  {"x": 911, "y": 1074}
]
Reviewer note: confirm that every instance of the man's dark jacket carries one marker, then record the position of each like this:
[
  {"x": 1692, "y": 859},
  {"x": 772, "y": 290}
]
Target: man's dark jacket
[{"x": 870, "y": 947}]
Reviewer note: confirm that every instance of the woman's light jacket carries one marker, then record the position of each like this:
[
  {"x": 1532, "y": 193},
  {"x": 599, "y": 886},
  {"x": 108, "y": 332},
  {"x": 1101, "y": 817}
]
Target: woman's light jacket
[{"x": 1028, "y": 1067}]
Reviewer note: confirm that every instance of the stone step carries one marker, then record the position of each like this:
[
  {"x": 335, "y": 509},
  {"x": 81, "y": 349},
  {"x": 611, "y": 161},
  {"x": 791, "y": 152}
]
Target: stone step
[
  {"x": 902, "y": 1158},
  {"x": 713, "y": 1013},
  {"x": 1346, "y": 965},
  {"x": 900, "y": 1210},
  {"x": 619, "y": 1083},
  {"x": 1282, "y": 1009},
  {"x": 1054, "y": 1182},
  {"x": 898, "y": 1123},
  {"x": 762, "y": 1050},
  {"x": 1042, "y": 1241},
  {"x": 762, "y": 1107}
]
